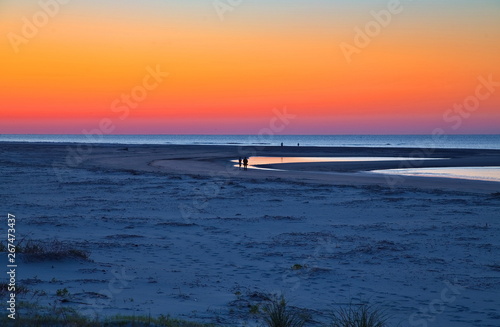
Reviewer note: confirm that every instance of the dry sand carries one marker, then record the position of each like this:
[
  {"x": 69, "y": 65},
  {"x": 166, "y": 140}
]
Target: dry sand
[{"x": 177, "y": 230}]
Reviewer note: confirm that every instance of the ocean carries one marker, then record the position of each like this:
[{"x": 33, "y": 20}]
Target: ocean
[{"x": 426, "y": 141}]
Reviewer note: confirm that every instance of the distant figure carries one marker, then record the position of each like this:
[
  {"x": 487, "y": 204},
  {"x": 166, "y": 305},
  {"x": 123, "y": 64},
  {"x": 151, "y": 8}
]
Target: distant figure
[
  {"x": 245, "y": 163},
  {"x": 298, "y": 144},
  {"x": 281, "y": 143},
  {"x": 240, "y": 162}
]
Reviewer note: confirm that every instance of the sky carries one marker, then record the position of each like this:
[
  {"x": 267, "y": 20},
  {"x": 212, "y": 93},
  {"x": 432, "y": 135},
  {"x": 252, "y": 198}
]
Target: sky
[{"x": 227, "y": 66}]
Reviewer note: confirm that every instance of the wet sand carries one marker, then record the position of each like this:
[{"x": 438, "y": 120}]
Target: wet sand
[{"x": 216, "y": 160}]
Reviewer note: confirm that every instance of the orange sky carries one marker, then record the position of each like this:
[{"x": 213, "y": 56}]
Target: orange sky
[{"x": 227, "y": 76}]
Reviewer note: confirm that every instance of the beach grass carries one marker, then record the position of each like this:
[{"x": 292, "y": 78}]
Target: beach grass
[
  {"x": 56, "y": 316},
  {"x": 275, "y": 313},
  {"x": 279, "y": 314},
  {"x": 359, "y": 316},
  {"x": 54, "y": 250}
]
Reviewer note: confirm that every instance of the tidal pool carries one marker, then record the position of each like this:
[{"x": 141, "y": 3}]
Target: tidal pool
[
  {"x": 254, "y": 162},
  {"x": 474, "y": 173}
]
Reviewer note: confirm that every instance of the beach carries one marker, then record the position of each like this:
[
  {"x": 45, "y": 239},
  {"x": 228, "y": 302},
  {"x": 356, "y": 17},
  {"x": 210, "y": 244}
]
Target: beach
[{"x": 179, "y": 230}]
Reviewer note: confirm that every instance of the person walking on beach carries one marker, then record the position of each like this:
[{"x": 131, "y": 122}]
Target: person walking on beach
[
  {"x": 245, "y": 163},
  {"x": 240, "y": 162}
]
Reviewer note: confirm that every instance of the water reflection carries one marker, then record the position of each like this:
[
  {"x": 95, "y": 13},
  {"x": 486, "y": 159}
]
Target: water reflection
[
  {"x": 474, "y": 173},
  {"x": 277, "y": 160},
  {"x": 255, "y": 162}
]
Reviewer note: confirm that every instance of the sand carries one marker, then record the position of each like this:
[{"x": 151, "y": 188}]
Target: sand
[{"x": 177, "y": 230}]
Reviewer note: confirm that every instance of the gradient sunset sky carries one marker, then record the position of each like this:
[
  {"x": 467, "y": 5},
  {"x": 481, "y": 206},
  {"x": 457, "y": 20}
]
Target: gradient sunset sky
[{"x": 225, "y": 76}]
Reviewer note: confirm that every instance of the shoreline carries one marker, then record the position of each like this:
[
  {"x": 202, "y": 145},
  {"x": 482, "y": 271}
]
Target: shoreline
[
  {"x": 210, "y": 160},
  {"x": 215, "y": 160}
]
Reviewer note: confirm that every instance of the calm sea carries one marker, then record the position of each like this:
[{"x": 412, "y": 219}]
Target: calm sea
[{"x": 448, "y": 141}]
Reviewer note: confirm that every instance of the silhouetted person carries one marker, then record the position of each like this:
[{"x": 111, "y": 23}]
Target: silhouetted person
[
  {"x": 245, "y": 163},
  {"x": 240, "y": 162},
  {"x": 298, "y": 144},
  {"x": 281, "y": 143}
]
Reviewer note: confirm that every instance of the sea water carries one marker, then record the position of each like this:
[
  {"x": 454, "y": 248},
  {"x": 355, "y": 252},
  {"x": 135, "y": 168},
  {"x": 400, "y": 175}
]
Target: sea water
[{"x": 401, "y": 141}]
